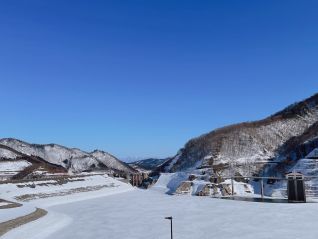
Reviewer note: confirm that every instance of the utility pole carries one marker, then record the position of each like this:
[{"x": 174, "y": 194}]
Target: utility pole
[
  {"x": 262, "y": 188},
  {"x": 170, "y": 218},
  {"x": 232, "y": 178}
]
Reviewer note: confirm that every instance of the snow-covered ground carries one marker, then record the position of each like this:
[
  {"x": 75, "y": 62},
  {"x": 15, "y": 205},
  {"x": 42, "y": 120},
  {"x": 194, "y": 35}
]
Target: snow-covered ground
[
  {"x": 43, "y": 189},
  {"x": 12, "y": 213},
  {"x": 140, "y": 214},
  {"x": 49, "y": 192}
]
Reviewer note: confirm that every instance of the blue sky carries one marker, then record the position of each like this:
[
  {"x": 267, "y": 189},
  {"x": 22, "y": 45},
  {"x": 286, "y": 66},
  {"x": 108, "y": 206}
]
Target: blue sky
[{"x": 140, "y": 78}]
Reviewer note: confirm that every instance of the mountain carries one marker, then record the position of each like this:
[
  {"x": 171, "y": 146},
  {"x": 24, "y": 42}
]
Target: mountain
[
  {"x": 253, "y": 147},
  {"x": 111, "y": 162},
  {"x": 148, "y": 164},
  {"x": 70, "y": 159}
]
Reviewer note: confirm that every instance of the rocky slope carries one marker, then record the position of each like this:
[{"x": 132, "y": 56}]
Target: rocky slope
[
  {"x": 74, "y": 160},
  {"x": 263, "y": 147}
]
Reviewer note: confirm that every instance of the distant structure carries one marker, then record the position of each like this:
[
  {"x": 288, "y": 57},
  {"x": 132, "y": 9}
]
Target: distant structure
[
  {"x": 136, "y": 179},
  {"x": 296, "y": 187}
]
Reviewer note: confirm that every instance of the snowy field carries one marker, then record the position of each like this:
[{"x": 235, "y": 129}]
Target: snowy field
[
  {"x": 47, "y": 193},
  {"x": 139, "y": 214}
]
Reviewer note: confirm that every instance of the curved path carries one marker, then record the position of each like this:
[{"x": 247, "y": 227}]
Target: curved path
[
  {"x": 9, "y": 204},
  {"x": 9, "y": 225}
]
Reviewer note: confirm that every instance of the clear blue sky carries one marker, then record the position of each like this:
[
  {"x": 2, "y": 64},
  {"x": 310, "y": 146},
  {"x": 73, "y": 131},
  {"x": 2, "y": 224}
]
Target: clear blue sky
[{"x": 140, "y": 78}]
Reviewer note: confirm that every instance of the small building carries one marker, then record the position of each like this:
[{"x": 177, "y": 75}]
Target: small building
[
  {"x": 296, "y": 187},
  {"x": 136, "y": 179}
]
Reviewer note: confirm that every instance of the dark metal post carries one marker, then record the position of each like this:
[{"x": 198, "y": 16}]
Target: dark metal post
[
  {"x": 171, "y": 229},
  {"x": 262, "y": 188},
  {"x": 232, "y": 186},
  {"x": 170, "y": 218}
]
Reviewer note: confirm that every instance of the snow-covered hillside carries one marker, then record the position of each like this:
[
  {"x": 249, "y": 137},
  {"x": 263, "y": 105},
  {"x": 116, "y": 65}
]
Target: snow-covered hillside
[
  {"x": 110, "y": 161},
  {"x": 71, "y": 159},
  {"x": 263, "y": 147},
  {"x": 247, "y": 143},
  {"x": 7, "y": 154}
]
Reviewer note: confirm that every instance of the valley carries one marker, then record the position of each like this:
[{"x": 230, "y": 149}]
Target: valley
[{"x": 72, "y": 192}]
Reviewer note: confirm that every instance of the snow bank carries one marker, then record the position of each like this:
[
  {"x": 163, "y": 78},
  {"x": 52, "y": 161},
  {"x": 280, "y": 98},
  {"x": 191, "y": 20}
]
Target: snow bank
[{"x": 169, "y": 182}]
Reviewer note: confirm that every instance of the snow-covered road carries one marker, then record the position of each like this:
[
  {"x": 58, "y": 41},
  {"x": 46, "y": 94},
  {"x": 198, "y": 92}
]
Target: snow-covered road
[{"x": 140, "y": 214}]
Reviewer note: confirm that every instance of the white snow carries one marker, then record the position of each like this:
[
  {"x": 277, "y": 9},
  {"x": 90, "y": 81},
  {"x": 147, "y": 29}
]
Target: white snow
[
  {"x": 110, "y": 161},
  {"x": 10, "y": 191},
  {"x": 72, "y": 158},
  {"x": 8, "y": 154},
  {"x": 173, "y": 162},
  {"x": 12, "y": 213},
  {"x": 16, "y": 165},
  {"x": 169, "y": 182},
  {"x": 246, "y": 145},
  {"x": 4, "y": 203},
  {"x": 140, "y": 214}
]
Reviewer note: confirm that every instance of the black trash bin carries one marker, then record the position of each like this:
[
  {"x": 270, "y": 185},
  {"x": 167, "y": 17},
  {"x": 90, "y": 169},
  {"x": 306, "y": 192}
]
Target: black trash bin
[{"x": 296, "y": 187}]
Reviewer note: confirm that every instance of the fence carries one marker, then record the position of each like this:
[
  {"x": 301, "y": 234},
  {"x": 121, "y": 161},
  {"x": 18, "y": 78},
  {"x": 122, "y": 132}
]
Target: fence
[{"x": 270, "y": 187}]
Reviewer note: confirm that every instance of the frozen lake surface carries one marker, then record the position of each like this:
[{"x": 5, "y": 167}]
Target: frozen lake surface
[{"x": 139, "y": 214}]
